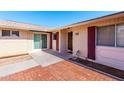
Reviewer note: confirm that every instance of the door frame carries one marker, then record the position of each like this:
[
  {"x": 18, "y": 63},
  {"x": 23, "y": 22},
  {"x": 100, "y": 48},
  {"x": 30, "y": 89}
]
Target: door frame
[
  {"x": 71, "y": 41},
  {"x": 40, "y": 46}
]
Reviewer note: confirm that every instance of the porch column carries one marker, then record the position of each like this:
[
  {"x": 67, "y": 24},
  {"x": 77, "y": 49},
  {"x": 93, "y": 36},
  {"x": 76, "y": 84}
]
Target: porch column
[
  {"x": 50, "y": 40},
  {"x": 91, "y": 42}
]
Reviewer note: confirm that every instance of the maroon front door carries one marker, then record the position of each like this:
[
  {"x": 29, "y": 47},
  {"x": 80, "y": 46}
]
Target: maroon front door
[
  {"x": 91, "y": 42},
  {"x": 57, "y": 41},
  {"x": 50, "y": 40}
]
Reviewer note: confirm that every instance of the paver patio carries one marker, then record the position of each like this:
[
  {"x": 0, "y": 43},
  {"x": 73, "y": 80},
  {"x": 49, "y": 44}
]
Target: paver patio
[
  {"x": 63, "y": 70},
  {"x": 49, "y": 66}
]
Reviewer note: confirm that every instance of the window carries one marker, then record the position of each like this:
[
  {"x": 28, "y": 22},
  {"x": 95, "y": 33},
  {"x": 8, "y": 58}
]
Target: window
[
  {"x": 10, "y": 33},
  {"x": 120, "y": 35},
  {"x": 5, "y": 32},
  {"x": 106, "y": 35},
  {"x": 54, "y": 36},
  {"x": 15, "y": 33}
]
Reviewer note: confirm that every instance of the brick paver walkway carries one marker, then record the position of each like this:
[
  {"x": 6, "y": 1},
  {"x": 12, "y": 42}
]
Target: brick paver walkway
[{"x": 60, "y": 71}]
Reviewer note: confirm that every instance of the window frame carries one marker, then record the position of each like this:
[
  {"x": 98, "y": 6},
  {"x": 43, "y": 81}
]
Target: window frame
[
  {"x": 5, "y": 35},
  {"x": 115, "y": 46},
  {"x": 11, "y": 35},
  {"x": 116, "y": 35},
  {"x": 97, "y": 35}
]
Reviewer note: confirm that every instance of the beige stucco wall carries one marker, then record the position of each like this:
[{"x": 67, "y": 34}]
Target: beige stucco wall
[
  {"x": 16, "y": 45},
  {"x": 80, "y": 41},
  {"x": 63, "y": 41}
]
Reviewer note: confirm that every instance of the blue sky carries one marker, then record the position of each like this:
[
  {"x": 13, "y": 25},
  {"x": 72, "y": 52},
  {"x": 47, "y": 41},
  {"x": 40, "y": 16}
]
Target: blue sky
[{"x": 51, "y": 18}]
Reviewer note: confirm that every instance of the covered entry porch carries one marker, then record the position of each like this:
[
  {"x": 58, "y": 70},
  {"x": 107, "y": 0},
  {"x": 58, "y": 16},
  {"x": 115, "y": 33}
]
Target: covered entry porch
[
  {"x": 74, "y": 40},
  {"x": 66, "y": 41}
]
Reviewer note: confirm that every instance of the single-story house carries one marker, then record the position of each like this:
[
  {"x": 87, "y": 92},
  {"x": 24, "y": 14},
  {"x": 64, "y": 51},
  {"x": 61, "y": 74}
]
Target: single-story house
[{"x": 100, "y": 40}]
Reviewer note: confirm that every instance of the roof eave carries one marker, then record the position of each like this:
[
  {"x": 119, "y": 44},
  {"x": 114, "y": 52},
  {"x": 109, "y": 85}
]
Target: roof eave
[{"x": 115, "y": 15}]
